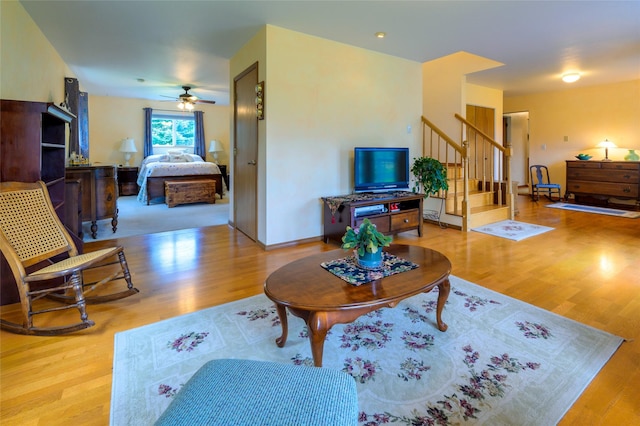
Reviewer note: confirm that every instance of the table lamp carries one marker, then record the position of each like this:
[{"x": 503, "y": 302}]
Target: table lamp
[
  {"x": 128, "y": 147},
  {"x": 215, "y": 147},
  {"x": 606, "y": 144}
]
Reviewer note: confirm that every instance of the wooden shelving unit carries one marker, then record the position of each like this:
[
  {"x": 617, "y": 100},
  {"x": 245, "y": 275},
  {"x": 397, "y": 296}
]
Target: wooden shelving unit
[{"x": 33, "y": 146}]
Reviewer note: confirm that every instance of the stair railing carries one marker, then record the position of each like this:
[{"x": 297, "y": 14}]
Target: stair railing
[
  {"x": 436, "y": 144},
  {"x": 490, "y": 162},
  {"x": 475, "y": 158}
]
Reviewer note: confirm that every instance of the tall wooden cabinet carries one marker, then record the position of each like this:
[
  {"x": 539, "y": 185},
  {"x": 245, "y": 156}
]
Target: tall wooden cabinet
[
  {"x": 33, "y": 145},
  {"x": 34, "y": 141}
]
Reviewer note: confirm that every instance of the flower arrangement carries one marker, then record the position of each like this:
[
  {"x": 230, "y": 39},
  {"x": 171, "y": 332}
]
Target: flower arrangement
[{"x": 366, "y": 239}]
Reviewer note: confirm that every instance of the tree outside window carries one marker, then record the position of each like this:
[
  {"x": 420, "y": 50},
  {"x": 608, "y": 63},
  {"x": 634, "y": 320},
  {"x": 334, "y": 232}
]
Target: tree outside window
[{"x": 173, "y": 132}]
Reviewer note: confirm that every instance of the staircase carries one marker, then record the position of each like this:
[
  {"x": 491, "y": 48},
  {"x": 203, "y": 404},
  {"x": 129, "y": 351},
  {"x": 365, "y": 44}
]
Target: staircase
[{"x": 478, "y": 171}]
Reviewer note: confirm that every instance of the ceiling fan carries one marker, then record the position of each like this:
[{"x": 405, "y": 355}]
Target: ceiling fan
[{"x": 187, "y": 101}]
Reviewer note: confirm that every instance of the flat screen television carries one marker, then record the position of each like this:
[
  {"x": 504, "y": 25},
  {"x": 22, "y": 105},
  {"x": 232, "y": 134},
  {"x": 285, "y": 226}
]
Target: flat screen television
[{"x": 380, "y": 169}]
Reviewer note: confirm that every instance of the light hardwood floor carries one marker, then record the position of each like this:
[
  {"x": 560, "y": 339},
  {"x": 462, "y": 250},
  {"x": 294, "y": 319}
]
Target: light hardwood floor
[{"x": 586, "y": 269}]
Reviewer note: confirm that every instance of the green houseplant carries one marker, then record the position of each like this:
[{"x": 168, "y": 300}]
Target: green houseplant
[
  {"x": 430, "y": 174},
  {"x": 367, "y": 241}
]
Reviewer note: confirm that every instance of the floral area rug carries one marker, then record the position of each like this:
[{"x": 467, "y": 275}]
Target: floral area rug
[
  {"x": 501, "y": 362},
  {"x": 512, "y": 230}
]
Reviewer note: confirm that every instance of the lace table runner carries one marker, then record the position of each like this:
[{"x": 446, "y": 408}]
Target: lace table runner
[{"x": 348, "y": 269}]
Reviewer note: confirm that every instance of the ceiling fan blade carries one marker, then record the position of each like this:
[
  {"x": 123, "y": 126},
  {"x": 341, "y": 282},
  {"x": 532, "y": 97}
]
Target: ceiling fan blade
[{"x": 202, "y": 101}]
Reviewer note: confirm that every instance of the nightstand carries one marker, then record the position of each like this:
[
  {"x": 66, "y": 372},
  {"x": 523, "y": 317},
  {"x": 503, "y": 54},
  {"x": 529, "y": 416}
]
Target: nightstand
[
  {"x": 225, "y": 175},
  {"x": 127, "y": 180}
]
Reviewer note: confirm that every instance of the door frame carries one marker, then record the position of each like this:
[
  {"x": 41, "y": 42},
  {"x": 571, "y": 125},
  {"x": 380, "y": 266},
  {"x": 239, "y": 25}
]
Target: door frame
[{"x": 252, "y": 230}]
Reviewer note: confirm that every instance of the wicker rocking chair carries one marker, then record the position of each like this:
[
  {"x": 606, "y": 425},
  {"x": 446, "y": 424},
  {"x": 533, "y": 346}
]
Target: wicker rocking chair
[{"x": 45, "y": 262}]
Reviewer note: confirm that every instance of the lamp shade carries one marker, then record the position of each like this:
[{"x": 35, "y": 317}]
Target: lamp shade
[
  {"x": 216, "y": 146},
  {"x": 606, "y": 144},
  {"x": 128, "y": 145}
]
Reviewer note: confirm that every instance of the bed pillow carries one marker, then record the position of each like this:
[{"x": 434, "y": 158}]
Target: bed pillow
[
  {"x": 179, "y": 158},
  {"x": 195, "y": 158},
  {"x": 154, "y": 159}
]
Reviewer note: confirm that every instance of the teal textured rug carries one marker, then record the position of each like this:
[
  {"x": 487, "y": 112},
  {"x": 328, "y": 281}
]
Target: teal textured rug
[
  {"x": 501, "y": 362},
  {"x": 594, "y": 209}
]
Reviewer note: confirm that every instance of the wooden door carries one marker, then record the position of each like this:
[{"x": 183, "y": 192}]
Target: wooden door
[
  {"x": 245, "y": 184},
  {"x": 484, "y": 119}
]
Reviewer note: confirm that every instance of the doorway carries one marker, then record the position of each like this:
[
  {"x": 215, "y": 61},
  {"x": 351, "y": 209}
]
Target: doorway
[
  {"x": 245, "y": 152},
  {"x": 516, "y": 131}
]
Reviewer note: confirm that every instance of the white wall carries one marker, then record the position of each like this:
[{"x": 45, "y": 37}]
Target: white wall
[{"x": 323, "y": 99}]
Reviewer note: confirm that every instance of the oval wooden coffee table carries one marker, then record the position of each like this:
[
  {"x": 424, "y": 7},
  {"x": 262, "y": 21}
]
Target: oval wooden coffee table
[{"x": 322, "y": 299}]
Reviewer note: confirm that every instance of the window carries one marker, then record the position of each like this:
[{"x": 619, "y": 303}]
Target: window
[{"x": 173, "y": 131}]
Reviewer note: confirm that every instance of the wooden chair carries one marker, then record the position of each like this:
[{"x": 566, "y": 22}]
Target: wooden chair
[
  {"x": 45, "y": 262},
  {"x": 540, "y": 183}
]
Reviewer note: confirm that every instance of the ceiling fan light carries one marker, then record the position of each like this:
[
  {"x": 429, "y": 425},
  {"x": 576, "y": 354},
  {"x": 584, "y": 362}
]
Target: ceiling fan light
[
  {"x": 181, "y": 105},
  {"x": 571, "y": 77},
  {"x": 189, "y": 106}
]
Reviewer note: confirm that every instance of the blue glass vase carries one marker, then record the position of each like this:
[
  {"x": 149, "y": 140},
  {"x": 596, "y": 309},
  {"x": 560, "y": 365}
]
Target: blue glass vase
[{"x": 370, "y": 260}]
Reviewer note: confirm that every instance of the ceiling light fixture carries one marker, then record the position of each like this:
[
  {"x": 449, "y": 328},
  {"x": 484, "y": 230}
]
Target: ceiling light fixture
[
  {"x": 571, "y": 77},
  {"x": 380, "y": 34},
  {"x": 186, "y": 105}
]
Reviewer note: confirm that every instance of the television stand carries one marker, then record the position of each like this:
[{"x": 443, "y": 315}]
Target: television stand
[{"x": 391, "y": 212}]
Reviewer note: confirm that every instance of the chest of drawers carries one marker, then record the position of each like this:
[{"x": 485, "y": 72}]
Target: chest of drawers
[{"x": 604, "y": 179}]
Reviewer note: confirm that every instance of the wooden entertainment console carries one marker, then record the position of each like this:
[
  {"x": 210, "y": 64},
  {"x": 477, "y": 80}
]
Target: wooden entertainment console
[
  {"x": 601, "y": 180},
  {"x": 391, "y": 212}
]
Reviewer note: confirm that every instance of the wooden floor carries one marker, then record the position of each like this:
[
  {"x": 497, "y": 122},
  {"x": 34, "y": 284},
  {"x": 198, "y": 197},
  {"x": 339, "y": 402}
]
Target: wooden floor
[{"x": 586, "y": 269}]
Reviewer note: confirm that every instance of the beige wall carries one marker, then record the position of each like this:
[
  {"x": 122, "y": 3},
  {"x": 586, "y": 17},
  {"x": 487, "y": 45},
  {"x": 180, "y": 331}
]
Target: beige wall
[
  {"x": 324, "y": 98},
  {"x": 585, "y": 116},
  {"x": 30, "y": 68},
  {"x": 113, "y": 119}
]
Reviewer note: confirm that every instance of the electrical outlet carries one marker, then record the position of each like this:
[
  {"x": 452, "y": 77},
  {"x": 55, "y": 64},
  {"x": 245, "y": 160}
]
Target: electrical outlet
[{"x": 543, "y": 147}]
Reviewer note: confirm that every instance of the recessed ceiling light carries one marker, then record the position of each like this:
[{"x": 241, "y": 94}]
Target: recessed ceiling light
[
  {"x": 571, "y": 77},
  {"x": 380, "y": 34}
]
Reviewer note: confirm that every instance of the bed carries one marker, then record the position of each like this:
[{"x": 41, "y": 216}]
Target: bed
[{"x": 155, "y": 170}]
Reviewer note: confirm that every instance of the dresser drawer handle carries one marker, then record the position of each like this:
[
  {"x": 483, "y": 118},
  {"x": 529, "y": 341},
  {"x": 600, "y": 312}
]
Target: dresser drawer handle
[{"x": 626, "y": 189}]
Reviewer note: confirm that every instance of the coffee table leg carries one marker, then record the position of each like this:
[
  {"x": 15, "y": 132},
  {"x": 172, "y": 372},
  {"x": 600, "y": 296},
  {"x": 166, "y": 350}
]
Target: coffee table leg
[
  {"x": 282, "y": 313},
  {"x": 443, "y": 294},
  {"x": 318, "y": 325}
]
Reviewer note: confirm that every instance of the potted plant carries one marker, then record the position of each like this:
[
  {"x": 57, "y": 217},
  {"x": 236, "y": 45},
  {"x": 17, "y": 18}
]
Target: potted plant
[
  {"x": 430, "y": 174},
  {"x": 367, "y": 243}
]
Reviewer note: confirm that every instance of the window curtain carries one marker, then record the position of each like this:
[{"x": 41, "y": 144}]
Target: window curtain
[
  {"x": 199, "y": 142},
  {"x": 148, "y": 139}
]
